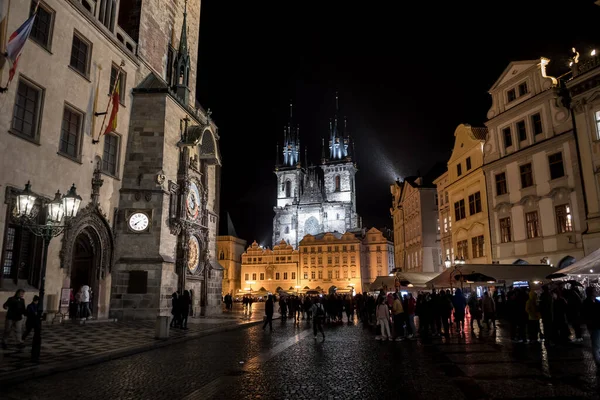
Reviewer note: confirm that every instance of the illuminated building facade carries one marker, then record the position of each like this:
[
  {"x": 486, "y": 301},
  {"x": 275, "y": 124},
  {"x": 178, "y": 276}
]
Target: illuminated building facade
[{"x": 314, "y": 199}]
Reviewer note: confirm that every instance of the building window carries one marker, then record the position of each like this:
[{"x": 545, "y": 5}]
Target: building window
[
  {"x": 288, "y": 188},
  {"x": 536, "y": 122},
  {"x": 523, "y": 89},
  {"x": 320, "y": 260},
  {"x": 320, "y": 274},
  {"x": 330, "y": 275},
  {"x": 345, "y": 274},
  {"x": 446, "y": 197},
  {"x": 337, "y": 274},
  {"x": 507, "y": 137},
  {"x": 285, "y": 276},
  {"x": 501, "y": 184},
  {"x": 277, "y": 275},
  {"x": 459, "y": 169},
  {"x": 254, "y": 276},
  {"x": 306, "y": 275},
  {"x": 378, "y": 248},
  {"x": 41, "y": 32},
  {"x": 114, "y": 72},
  {"x": 27, "y": 110},
  {"x": 351, "y": 247},
  {"x": 597, "y": 119},
  {"x": 557, "y": 169},
  {"x": 305, "y": 260},
  {"x": 80, "y": 54},
  {"x": 110, "y": 154},
  {"x": 352, "y": 259},
  {"x": 478, "y": 245},
  {"x": 526, "y": 175},
  {"x": 293, "y": 275},
  {"x": 505, "y": 234},
  {"x": 445, "y": 225},
  {"x": 246, "y": 277},
  {"x": 338, "y": 185},
  {"x": 533, "y": 227},
  {"x": 459, "y": 210},
  {"x": 337, "y": 259},
  {"x": 21, "y": 256},
  {"x": 475, "y": 203},
  {"x": 70, "y": 133},
  {"x": 511, "y": 95},
  {"x": 564, "y": 222},
  {"x": 353, "y": 274},
  {"x": 521, "y": 131},
  {"x": 313, "y": 275},
  {"x": 468, "y": 163},
  {"x": 329, "y": 260},
  {"x": 312, "y": 260},
  {"x": 462, "y": 249}
]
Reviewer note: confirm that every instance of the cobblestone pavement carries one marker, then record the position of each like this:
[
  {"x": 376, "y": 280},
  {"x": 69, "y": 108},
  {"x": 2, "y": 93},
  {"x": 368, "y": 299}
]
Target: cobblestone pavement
[
  {"x": 71, "y": 340},
  {"x": 289, "y": 364}
]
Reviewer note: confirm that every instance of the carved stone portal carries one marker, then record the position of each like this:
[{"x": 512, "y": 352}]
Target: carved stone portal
[{"x": 89, "y": 219}]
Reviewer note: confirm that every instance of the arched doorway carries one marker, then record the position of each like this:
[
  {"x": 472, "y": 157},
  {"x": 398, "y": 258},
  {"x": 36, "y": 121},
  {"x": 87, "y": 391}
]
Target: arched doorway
[{"x": 84, "y": 267}]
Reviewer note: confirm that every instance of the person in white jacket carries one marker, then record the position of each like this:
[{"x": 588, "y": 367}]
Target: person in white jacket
[
  {"x": 383, "y": 320},
  {"x": 85, "y": 312}
]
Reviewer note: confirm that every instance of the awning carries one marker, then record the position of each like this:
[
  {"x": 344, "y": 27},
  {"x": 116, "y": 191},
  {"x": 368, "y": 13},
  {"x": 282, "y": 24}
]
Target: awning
[
  {"x": 504, "y": 274},
  {"x": 416, "y": 279},
  {"x": 583, "y": 266}
]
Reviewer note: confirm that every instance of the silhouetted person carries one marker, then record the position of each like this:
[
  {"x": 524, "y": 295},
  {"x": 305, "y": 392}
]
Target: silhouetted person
[{"x": 269, "y": 313}]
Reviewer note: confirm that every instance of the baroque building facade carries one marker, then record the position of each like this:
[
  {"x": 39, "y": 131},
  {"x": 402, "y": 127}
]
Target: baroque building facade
[
  {"x": 230, "y": 250},
  {"x": 158, "y": 169},
  {"x": 313, "y": 199},
  {"x": 415, "y": 217},
  {"x": 349, "y": 261},
  {"x": 531, "y": 167},
  {"x": 467, "y": 196},
  {"x": 584, "y": 91},
  {"x": 445, "y": 218}
]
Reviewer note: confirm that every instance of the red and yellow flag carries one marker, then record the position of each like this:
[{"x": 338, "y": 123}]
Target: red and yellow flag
[{"x": 116, "y": 98}]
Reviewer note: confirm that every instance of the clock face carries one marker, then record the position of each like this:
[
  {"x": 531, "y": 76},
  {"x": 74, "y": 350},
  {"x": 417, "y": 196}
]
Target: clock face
[
  {"x": 193, "y": 201},
  {"x": 139, "y": 221},
  {"x": 193, "y": 254}
]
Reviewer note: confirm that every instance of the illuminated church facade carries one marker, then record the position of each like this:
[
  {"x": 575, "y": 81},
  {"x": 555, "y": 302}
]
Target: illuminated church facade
[{"x": 314, "y": 199}]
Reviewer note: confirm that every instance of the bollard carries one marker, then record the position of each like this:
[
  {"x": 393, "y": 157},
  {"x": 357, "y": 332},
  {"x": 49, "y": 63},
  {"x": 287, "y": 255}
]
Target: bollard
[{"x": 162, "y": 327}]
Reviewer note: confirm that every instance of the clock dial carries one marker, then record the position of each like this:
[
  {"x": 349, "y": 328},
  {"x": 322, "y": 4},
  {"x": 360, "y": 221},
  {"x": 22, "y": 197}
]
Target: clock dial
[
  {"x": 193, "y": 254},
  {"x": 193, "y": 201},
  {"x": 139, "y": 221}
]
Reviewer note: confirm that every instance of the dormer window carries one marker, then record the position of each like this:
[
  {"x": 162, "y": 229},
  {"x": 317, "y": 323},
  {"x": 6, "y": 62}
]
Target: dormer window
[
  {"x": 511, "y": 95},
  {"x": 523, "y": 89}
]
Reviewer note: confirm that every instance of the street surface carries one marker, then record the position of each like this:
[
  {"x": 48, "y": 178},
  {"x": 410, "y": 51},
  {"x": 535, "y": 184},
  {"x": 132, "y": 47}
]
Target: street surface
[{"x": 250, "y": 363}]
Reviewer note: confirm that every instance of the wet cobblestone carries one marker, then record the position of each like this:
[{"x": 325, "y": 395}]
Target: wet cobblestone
[{"x": 290, "y": 364}]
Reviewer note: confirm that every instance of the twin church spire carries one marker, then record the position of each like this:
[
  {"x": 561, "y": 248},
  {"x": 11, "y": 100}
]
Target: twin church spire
[{"x": 339, "y": 143}]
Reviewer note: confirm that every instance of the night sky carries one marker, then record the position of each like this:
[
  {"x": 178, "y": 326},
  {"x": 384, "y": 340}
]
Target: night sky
[{"x": 407, "y": 74}]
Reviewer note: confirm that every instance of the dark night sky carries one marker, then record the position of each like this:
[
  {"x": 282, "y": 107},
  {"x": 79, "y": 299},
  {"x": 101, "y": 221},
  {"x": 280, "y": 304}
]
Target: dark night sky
[{"x": 407, "y": 73}]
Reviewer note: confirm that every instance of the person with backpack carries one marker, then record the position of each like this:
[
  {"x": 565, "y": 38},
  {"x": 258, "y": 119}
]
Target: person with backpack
[{"x": 318, "y": 313}]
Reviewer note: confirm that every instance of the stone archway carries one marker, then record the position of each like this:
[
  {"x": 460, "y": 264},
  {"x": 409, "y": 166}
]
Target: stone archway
[{"x": 87, "y": 254}]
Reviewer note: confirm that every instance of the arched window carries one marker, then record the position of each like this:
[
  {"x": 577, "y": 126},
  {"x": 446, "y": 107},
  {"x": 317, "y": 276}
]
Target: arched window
[
  {"x": 222, "y": 255},
  {"x": 288, "y": 188},
  {"x": 287, "y": 229},
  {"x": 337, "y": 183}
]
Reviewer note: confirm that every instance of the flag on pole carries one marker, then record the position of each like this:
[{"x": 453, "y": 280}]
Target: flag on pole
[
  {"x": 16, "y": 43},
  {"x": 115, "y": 99}
]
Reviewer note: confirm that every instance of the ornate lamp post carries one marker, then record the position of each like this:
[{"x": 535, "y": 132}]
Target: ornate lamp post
[{"x": 60, "y": 209}]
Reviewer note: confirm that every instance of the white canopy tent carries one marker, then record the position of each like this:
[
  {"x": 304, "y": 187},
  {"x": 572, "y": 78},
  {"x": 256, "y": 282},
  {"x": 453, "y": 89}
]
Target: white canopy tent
[
  {"x": 588, "y": 265},
  {"x": 406, "y": 279},
  {"x": 501, "y": 274}
]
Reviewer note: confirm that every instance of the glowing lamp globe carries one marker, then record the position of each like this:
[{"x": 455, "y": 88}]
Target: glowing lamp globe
[
  {"x": 71, "y": 202},
  {"x": 56, "y": 209},
  {"x": 25, "y": 201}
]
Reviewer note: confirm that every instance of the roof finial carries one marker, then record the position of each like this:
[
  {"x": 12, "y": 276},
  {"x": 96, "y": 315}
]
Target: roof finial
[
  {"x": 291, "y": 108},
  {"x": 183, "y": 49},
  {"x": 337, "y": 102}
]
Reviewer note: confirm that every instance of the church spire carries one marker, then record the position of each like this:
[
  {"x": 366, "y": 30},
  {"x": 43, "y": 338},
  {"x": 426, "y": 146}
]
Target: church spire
[
  {"x": 338, "y": 142},
  {"x": 182, "y": 63},
  {"x": 291, "y": 141},
  {"x": 183, "y": 48}
]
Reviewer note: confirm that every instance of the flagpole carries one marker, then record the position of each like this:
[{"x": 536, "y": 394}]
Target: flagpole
[
  {"x": 3, "y": 32},
  {"x": 96, "y": 114},
  {"x": 93, "y": 128}
]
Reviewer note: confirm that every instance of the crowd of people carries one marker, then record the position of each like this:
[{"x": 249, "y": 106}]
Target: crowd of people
[{"x": 553, "y": 315}]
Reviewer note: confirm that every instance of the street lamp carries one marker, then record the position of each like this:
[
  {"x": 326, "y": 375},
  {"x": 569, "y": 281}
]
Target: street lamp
[
  {"x": 25, "y": 215},
  {"x": 447, "y": 262}
]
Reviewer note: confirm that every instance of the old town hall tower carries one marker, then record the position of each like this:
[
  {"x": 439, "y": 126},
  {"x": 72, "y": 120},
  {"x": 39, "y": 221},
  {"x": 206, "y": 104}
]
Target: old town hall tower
[{"x": 310, "y": 199}]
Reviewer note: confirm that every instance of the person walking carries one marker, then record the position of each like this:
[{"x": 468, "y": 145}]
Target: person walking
[
  {"x": 475, "y": 310},
  {"x": 489, "y": 310},
  {"x": 533, "y": 312},
  {"x": 269, "y": 308},
  {"x": 85, "y": 312},
  {"x": 184, "y": 304},
  {"x": 590, "y": 312},
  {"x": 383, "y": 320},
  {"x": 15, "y": 309},
  {"x": 318, "y": 316},
  {"x": 175, "y": 322},
  {"x": 460, "y": 303},
  {"x": 398, "y": 315},
  {"x": 33, "y": 321}
]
